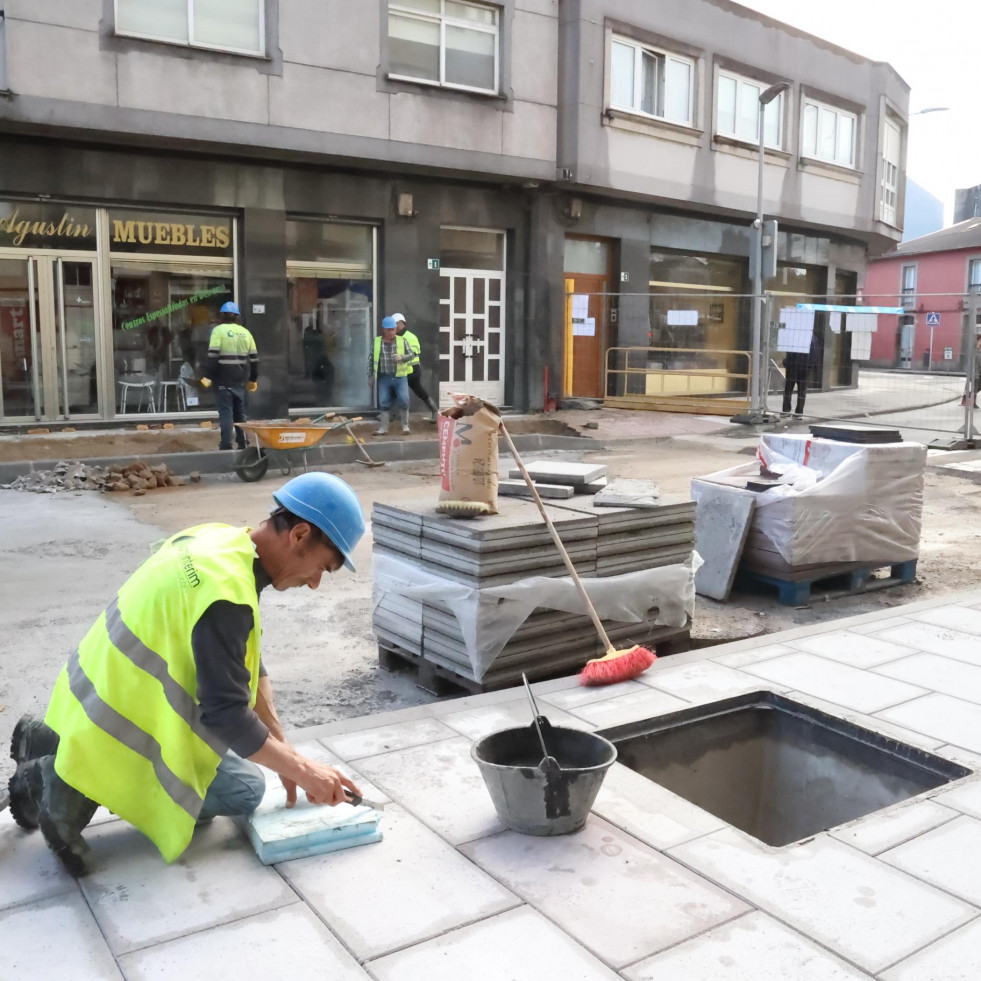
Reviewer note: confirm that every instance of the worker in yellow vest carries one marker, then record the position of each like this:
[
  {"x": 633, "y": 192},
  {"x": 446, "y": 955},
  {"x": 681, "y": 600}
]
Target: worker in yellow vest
[
  {"x": 415, "y": 377},
  {"x": 389, "y": 366},
  {"x": 165, "y": 710}
]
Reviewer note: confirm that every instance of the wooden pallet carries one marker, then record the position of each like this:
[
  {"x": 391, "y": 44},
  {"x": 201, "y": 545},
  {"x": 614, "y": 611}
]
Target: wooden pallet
[
  {"x": 843, "y": 580},
  {"x": 439, "y": 679}
]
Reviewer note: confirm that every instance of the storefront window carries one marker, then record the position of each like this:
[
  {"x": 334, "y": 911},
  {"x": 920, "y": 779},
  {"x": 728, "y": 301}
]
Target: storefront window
[
  {"x": 470, "y": 248},
  {"x": 162, "y": 316},
  {"x": 330, "y": 279}
]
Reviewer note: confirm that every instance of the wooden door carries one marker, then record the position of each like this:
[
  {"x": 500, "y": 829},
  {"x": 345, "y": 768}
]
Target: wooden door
[{"x": 588, "y": 333}]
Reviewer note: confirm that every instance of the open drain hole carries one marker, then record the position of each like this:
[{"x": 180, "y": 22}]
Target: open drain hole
[{"x": 776, "y": 769}]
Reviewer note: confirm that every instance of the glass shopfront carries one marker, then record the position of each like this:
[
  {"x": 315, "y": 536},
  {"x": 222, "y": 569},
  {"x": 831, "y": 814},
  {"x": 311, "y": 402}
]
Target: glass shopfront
[
  {"x": 330, "y": 281},
  {"x": 107, "y": 311}
]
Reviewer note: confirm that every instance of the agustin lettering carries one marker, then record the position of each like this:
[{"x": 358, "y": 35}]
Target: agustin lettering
[
  {"x": 165, "y": 233},
  {"x": 20, "y": 228},
  {"x": 172, "y": 308}
]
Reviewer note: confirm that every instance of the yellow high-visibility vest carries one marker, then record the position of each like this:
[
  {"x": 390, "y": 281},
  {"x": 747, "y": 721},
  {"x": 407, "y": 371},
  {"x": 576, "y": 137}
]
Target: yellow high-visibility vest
[
  {"x": 403, "y": 349},
  {"x": 125, "y": 705}
]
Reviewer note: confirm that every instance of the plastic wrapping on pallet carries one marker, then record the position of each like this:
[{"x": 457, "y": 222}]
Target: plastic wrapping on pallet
[
  {"x": 866, "y": 506},
  {"x": 489, "y": 617}
]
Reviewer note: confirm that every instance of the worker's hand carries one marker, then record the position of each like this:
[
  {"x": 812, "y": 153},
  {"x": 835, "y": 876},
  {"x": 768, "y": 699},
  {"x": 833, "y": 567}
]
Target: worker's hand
[
  {"x": 206, "y": 383},
  {"x": 324, "y": 785},
  {"x": 251, "y": 386}
]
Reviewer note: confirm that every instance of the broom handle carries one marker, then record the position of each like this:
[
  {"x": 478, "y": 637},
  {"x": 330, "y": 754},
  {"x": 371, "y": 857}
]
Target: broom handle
[{"x": 590, "y": 609}]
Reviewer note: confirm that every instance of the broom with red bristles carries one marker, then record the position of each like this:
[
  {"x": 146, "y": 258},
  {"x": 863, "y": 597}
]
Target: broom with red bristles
[{"x": 614, "y": 665}]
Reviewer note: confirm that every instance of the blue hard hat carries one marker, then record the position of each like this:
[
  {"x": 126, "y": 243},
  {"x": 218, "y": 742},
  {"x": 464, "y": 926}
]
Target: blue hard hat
[
  {"x": 388, "y": 323},
  {"x": 327, "y": 503},
  {"x": 230, "y": 307}
]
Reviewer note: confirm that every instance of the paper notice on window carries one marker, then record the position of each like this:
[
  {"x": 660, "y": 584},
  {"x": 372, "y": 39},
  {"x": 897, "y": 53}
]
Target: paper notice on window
[
  {"x": 682, "y": 318},
  {"x": 861, "y": 345},
  {"x": 580, "y": 306},
  {"x": 584, "y": 328},
  {"x": 796, "y": 330},
  {"x": 834, "y": 322},
  {"x": 861, "y": 322}
]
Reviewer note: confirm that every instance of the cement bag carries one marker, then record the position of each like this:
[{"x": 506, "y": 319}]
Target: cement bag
[{"x": 468, "y": 467}]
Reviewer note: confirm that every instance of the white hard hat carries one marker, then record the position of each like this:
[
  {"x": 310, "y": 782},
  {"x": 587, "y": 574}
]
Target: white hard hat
[{"x": 398, "y": 316}]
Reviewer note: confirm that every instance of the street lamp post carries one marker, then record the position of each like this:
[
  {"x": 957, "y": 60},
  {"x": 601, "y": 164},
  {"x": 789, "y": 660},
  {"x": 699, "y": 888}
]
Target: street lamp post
[{"x": 756, "y": 413}]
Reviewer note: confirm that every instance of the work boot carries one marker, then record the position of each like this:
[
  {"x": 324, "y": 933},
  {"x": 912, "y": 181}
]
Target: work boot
[
  {"x": 62, "y": 813},
  {"x": 433, "y": 409},
  {"x": 23, "y": 806},
  {"x": 32, "y": 739},
  {"x": 406, "y": 431},
  {"x": 383, "y": 421}
]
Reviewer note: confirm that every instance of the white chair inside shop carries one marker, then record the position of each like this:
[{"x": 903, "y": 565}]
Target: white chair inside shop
[
  {"x": 145, "y": 388},
  {"x": 165, "y": 387}
]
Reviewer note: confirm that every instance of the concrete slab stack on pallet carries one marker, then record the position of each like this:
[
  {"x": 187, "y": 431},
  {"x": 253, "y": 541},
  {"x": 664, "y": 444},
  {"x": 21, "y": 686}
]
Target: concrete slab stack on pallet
[{"x": 514, "y": 545}]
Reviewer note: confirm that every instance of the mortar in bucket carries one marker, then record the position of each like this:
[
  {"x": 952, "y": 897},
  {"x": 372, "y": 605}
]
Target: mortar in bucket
[{"x": 537, "y": 800}]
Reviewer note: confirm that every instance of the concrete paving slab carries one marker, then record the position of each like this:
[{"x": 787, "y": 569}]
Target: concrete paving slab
[
  {"x": 518, "y": 488},
  {"x": 55, "y": 939},
  {"x": 627, "y": 492},
  {"x": 140, "y": 901},
  {"x": 740, "y": 659},
  {"x": 408, "y": 888},
  {"x": 957, "y": 957},
  {"x": 722, "y": 521},
  {"x": 955, "y": 617},
  {"x": 284, "y": 943},
  {"x": 520, "y": 945},
  {"x": 886, "y": 829},
  {"x": 475, "y": 723},
  {"x": 875, "y": 626},
  {"x": 942, "y": 674},
  {"x": 441, "y": 785},
  {"x": 561, "y": 472},
  {"x": 628, "y": 708},
  {"x": 581, "y": 695},
  {"x": 966, "y": 798},
  {"x": 850, "y": 903},
  {"x": 387, "y": 739},
  {"x": 948, "y": 856},
  {"x": 838, "y": 683},
  {"x": 935, "y": 640},
  {"x": 30, "y": 870},
  {"x": 650, "y": 812},
  {"x": 752, "y": 947},
  {"x": 850, "y": 647},
  {"x": 588, "y": 884},
  {"x": 702, "y": 681},
  {"x": 950, "y": 720}
]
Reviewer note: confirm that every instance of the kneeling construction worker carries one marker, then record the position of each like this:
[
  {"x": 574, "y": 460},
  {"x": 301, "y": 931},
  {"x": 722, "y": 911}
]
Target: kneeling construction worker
[{"x": 163, "y": 712}]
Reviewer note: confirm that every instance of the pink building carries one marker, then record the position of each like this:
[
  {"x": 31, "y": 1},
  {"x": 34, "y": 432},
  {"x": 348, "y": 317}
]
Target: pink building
[{"x": 930, "y": 277}]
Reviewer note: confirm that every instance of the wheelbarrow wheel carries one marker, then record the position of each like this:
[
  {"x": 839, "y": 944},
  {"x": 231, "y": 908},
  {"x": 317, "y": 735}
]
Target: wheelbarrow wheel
[{"x": 252, "y": 465}]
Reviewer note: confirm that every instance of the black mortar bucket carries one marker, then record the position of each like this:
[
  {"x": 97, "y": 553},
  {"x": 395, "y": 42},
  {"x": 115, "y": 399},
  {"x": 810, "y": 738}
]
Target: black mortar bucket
[{"x": 527, "y": 799}]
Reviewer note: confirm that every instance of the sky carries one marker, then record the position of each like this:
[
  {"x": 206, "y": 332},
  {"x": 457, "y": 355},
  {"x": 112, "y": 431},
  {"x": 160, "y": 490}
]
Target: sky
[{"x": 933, "y": 44}]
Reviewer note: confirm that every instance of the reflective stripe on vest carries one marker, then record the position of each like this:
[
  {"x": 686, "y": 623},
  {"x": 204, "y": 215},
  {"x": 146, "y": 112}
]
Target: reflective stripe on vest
[{"x": 125, "y": 706}]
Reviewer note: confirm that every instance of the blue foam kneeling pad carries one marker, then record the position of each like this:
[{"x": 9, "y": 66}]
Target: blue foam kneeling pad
[{"x": 279, "y": 834}]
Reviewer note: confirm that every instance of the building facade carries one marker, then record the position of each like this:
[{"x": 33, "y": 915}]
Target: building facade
[
  {"x": 930, "y": 278},
  {"x": 323, "y": 163}
]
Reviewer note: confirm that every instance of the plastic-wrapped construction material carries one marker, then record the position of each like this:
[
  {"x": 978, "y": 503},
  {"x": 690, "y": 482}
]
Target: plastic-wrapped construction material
[
  {"x": 489, "y": 617},
  {"x": 866, "y": 508}
]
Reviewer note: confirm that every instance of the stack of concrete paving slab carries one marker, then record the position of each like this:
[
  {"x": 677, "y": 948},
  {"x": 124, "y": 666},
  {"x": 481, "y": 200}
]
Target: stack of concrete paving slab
[
  {"x": 555, "y": 480},
  {"x": 514, "y": 545}
]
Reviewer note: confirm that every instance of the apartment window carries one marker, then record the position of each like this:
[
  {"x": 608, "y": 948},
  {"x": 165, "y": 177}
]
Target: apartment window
[
  {"x": 444, "y": 42},
  {"x": 908, "y": 287},
  {"x": 650, "y": 82},
  {"x": 974, "y": 275},
  {"x": 889, "y": 197},
  {"x": 829, "y": 134},
  {"x": 738, "y": 111},
  {"x": 224, "y": 25}
]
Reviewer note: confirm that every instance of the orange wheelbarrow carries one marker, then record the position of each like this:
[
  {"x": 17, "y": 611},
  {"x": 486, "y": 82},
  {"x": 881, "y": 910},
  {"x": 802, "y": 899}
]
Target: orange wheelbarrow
[{"x": 283, "y": 440}]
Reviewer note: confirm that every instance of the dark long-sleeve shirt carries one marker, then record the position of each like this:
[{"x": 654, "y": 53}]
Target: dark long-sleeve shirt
[{"x": 218, "y": 641}]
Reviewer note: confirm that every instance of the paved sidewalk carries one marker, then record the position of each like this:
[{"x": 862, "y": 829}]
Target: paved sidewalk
[{"x": 652, "y": 888}]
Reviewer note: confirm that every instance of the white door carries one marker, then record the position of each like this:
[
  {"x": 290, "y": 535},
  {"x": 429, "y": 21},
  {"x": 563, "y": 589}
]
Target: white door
[{"x": 471, "y": 334}]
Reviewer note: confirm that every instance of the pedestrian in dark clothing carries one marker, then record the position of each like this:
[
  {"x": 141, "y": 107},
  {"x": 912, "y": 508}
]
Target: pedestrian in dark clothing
[
  {"x": 798, "y": 366},
  {"x": 233, "y": 367}
]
